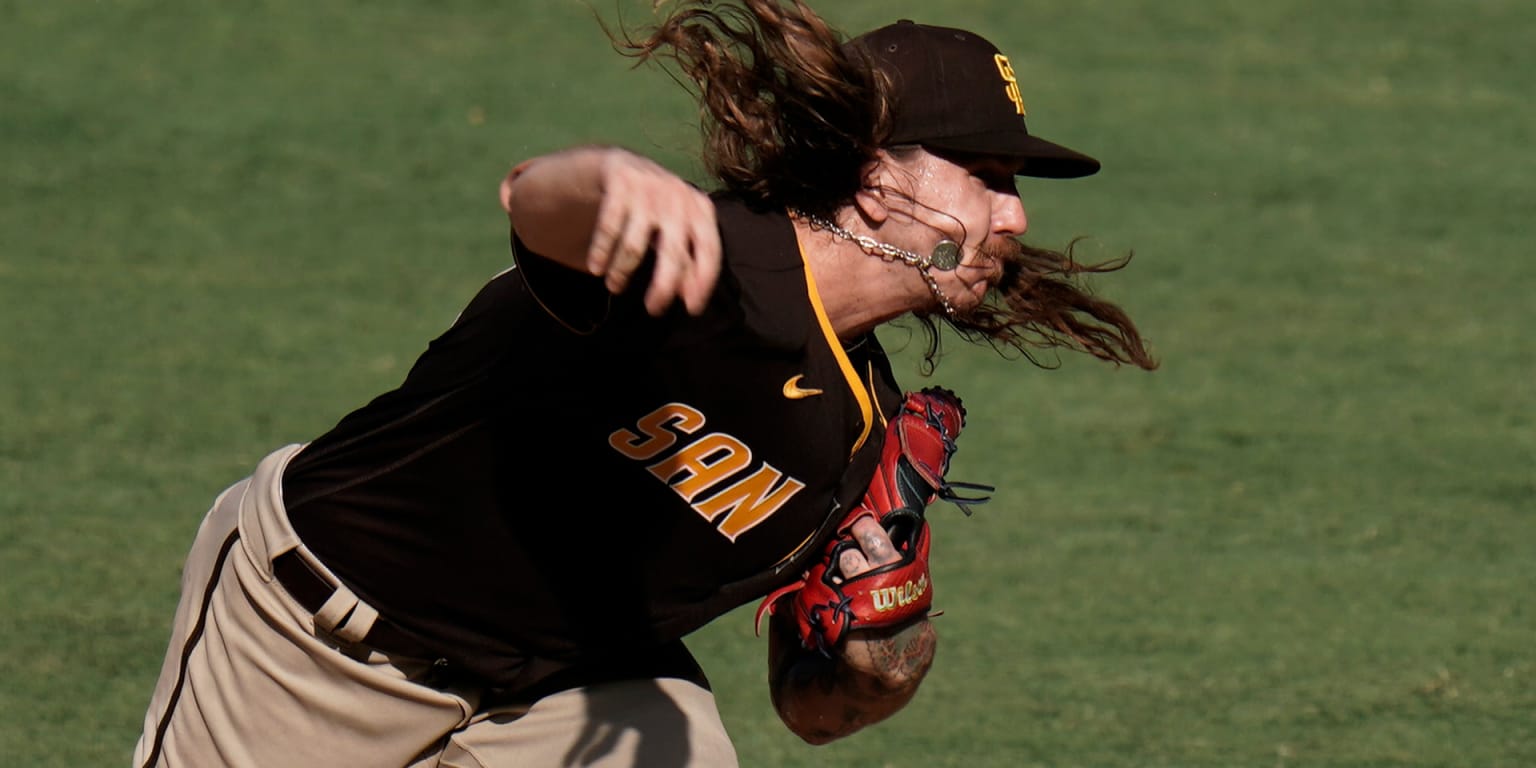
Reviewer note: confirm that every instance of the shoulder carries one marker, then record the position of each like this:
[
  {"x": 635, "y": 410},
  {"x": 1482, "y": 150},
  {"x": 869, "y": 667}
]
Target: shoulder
[
  {"x": 767, "y": 273},
  {"x": 755, "y": 236}
]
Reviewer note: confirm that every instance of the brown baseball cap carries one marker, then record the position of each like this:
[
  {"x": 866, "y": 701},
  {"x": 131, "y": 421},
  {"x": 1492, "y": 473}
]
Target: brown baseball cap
[{"x": 955, "y": 91}]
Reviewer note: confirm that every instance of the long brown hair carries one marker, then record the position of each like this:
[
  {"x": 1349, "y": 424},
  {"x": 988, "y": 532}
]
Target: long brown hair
[
  {"x": 791, "y": 117},
  {"x": 1041, "y": 303}
]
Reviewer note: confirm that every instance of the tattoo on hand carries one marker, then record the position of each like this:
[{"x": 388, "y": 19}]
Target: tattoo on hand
[
  {"x": 906, "y": 655},
  {"x": 847, "y": 693}
]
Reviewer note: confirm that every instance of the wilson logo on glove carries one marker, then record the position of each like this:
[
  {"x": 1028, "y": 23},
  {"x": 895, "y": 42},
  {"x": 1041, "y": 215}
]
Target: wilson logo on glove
[{"x": 899, "y": 597}]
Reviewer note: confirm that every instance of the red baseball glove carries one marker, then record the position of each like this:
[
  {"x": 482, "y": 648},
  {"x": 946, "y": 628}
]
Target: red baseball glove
[{"x": 919, "y": 442}]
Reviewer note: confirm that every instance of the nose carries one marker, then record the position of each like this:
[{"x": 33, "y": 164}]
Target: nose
[{"x": 1008, "y": 215}]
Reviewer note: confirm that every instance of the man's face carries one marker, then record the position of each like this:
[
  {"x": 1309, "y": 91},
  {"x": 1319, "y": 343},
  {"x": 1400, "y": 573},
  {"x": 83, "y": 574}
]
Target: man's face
[{"x": 971, "y": 200}]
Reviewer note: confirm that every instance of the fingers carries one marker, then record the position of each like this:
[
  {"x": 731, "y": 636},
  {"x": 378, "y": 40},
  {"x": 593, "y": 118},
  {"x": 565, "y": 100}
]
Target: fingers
[
  {"x": 647, "y": 210},
  {"x": 629, "y": 251},
  {"x": 705, "y": 237},
  {"x": 875, "y": 549},
  {"x": 875, "y": 542},
  {"x": 852, "y": 563},
  {"x": 619, "y": 240},
  {"x": 672, "y": 262}
]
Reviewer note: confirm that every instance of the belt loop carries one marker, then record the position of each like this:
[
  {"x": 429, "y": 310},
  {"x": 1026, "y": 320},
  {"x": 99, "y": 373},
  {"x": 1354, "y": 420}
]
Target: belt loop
[
  {"x": 335, "y": 610},
  {"x": 359, "y": 623}
]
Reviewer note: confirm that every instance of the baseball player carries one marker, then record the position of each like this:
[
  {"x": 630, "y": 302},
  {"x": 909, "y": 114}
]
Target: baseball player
[{"x": 672, "y": 405}]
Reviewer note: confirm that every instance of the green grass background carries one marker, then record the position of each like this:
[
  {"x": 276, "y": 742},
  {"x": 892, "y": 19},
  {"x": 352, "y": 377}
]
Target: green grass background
[{"x": 1306, "y": 541}]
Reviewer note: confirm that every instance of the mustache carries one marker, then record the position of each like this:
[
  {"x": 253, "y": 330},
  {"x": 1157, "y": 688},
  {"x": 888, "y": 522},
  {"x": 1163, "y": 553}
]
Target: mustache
[
  {"x": 1002, "y": 249},
  {"x": 1007, "y": 255}
]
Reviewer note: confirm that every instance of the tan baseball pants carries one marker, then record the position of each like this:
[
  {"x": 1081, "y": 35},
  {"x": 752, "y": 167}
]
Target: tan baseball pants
[{"x": 253, "y": 679}]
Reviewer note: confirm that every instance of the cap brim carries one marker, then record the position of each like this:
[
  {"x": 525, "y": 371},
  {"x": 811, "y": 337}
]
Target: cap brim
[{"x": 1037, "y": 157}]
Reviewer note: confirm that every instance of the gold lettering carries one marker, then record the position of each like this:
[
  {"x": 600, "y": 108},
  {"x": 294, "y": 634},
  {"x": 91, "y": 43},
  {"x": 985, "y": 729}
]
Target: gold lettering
[
  {"x": 707, "y": 461},
  {"x": 882, "y": 598},
  {"x": 653, "y": 426},
  {"x": 750, "y": 501},
  {"x": 1010, "y": 82},
  {"x": 702, "y": 465},
  {"x": 889, "y": 598}
]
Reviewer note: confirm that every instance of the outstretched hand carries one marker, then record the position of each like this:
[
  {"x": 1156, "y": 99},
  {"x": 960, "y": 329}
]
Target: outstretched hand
[
  {"x": 645, "y": 208},
  {"x": 604, "y": 210}
]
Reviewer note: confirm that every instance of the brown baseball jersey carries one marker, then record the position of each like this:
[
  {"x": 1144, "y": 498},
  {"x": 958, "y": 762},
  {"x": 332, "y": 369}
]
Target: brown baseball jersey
[{"x": 563, "y": 475}]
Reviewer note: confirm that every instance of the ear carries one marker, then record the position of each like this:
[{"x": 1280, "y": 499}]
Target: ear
[{"x": 875, "y": 180}]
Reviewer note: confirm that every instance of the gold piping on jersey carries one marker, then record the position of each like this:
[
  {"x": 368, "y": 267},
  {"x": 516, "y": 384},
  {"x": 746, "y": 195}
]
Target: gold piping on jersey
[
  {"x": 798, "y": 548},
  {"x": 878, "y": 411},
  {"x": 859, "y": 392}
]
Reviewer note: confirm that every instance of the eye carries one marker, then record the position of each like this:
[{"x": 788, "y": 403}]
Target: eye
[
  {"x": 995, "y": 175},
  {"x": 998, "y": 180}
]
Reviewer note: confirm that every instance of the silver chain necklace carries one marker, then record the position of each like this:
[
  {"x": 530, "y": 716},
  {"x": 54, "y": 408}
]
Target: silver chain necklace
[{"x": 884, "y": 251}]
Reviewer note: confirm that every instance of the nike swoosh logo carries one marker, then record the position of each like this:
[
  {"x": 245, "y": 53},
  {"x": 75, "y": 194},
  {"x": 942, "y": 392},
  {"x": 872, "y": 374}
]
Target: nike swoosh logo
[{"x": 793, "y": 391}]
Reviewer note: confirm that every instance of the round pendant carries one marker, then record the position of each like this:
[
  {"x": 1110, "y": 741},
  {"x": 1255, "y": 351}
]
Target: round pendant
[{"x": 946, "y": 255}]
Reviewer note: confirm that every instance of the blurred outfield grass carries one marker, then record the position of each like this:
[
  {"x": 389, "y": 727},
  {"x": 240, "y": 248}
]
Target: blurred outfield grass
[{"x": 1306, "y": 541}]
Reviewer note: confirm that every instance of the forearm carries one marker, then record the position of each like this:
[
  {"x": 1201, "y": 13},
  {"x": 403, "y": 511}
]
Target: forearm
[
  {"x": 871, "y": 676},
  {"x": 553, "y": 202}
]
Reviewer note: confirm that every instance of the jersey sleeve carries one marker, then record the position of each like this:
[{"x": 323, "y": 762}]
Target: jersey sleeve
[{"x": 576, "y": 300}]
